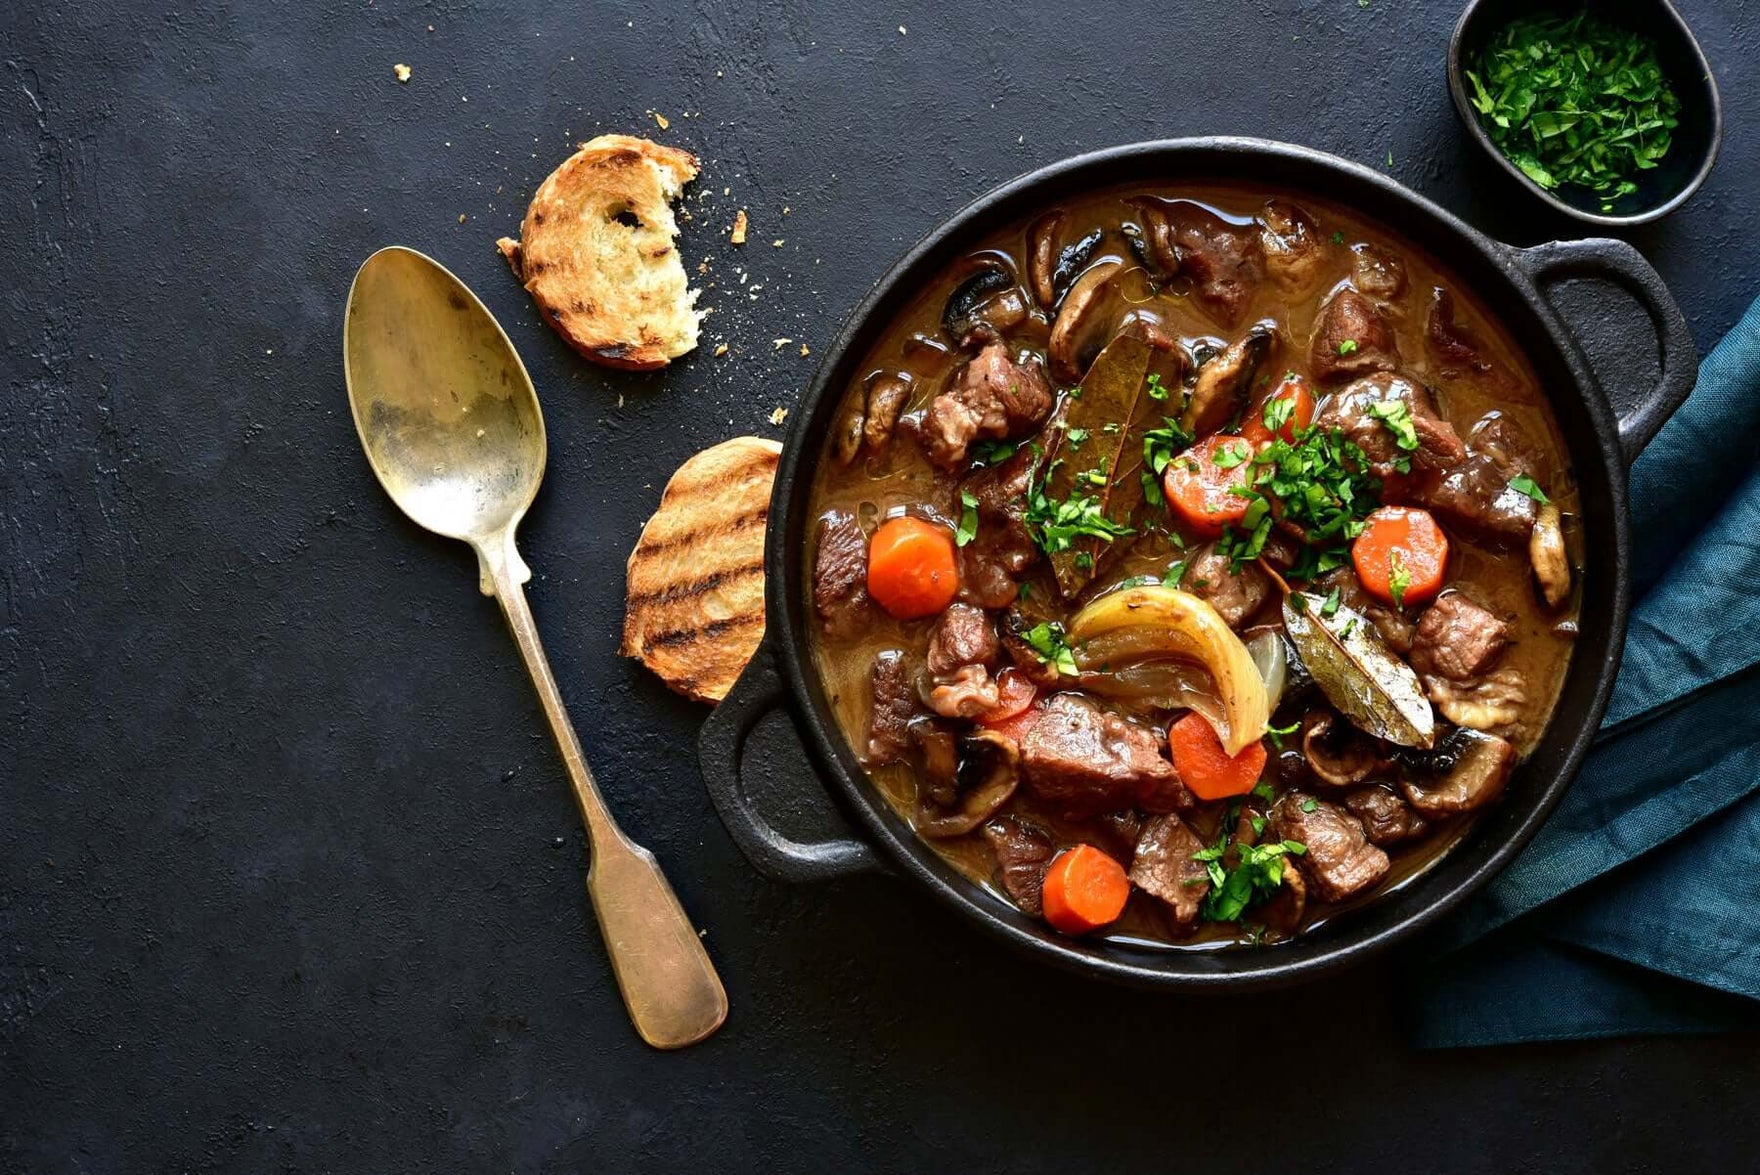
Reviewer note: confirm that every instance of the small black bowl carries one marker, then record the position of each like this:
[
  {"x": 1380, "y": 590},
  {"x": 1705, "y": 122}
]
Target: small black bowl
[{"x": 1689, "y": 159}]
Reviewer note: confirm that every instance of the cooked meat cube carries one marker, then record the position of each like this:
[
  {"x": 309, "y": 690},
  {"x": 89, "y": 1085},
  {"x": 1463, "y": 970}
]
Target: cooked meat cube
[
  {"x": 1080, "y": 760},
  {"x": 963, "y": 635},
  {"x": 1387, "y": 820},
  {"x": 895, "y": 704},
  {"x": 1457, "y": 346},
  {"x": 1163, "y": 867},
  {"x": 1352, "y": 338},
  {"x": 840, "y": 573},
  {"x": 1458, "y": 638},
  {"x": 1023, "y": 850},
  {"x": 1340, "y": 861},
  {"x": 1475, "y": 768},
  {"x": 1236, "y": 595},
  {"x": 1349, "y": 411},
  {"x": 991, "y": 564},
  {"x": 1225, "y": 263},
  {"x": 992, "y": 396},
  {"x": 1378, "y": 273},
  {"x": 1294, "y": 254},
  {"x": 965, "y": 693},
  {"x": 1476, "y": 496}
]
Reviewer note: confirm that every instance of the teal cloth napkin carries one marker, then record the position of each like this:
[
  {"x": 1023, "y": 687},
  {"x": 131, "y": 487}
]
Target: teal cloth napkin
[{"x": 1637, "y": 907}]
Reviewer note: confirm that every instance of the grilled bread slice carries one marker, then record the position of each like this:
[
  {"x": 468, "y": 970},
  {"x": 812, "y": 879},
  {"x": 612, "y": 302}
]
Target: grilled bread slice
[
  {"x": 596, "y": 253},
  {"x": 694, "y": 604}
]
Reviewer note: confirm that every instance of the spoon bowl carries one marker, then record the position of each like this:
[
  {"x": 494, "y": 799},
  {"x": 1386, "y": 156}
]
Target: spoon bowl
[{"x": 450, "y": 424}]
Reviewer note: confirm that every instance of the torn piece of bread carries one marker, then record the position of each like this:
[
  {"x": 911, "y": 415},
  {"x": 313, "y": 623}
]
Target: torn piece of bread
[
  {"x": 596, "y": 253},
  {"x": 694, "y": 604}
]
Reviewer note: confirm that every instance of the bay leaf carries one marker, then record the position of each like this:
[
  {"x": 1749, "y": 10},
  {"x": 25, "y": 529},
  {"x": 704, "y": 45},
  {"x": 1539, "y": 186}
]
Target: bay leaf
[
  {"x": 1357, "y": 672},
  {"x": 1099, "y": 452}
]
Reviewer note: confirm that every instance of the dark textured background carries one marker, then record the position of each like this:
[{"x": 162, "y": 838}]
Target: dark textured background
[{"x": 290, "y": 877}]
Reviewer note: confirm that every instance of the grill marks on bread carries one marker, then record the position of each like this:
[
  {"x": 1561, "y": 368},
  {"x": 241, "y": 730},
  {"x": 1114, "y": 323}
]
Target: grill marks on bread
[
  {"x": 694, "y": 608},
  {"x": 597, "y": 255}
]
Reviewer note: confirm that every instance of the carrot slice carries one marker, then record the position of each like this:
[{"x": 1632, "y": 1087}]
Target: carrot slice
[
  {"x": 1084, "y": 890},
  {"x": 1401, "y": 555},
  {"x": 1200, "y": 482},
  {"x": 911, "y": 571},
  {"x": 1294, "y": 389},
  {"x": 1014, "y": 694},
  {"x": 1208, "y": 771}
]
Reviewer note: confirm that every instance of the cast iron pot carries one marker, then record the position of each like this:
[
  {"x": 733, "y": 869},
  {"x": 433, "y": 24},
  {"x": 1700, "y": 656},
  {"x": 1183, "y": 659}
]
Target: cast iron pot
[{"x": 1604, "y": 427}]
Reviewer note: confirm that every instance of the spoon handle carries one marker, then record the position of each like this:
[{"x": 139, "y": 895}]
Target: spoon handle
[{"x": 670, "y": 987}]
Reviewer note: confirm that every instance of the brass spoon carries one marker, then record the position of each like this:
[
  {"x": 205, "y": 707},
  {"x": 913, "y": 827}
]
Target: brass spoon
[{"x": 451, "y": 426}]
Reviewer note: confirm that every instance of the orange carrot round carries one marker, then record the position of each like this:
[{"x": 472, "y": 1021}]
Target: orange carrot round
[
  {"x": 1200, "y": 481},
  {"x": 1208, "y": 771},
  {"x": 911, "y": 570},
  {"x": 1084, "y": 890},
  {"x": 1015, "y": 692},
  {"x": 1401, "y": 555},
  {"x": 1301, "y": 412}
]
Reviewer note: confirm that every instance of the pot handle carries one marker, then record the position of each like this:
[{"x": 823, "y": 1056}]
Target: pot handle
[
  {"x": 720, "y": 751},
  {"x": 1641, "y": 410}
]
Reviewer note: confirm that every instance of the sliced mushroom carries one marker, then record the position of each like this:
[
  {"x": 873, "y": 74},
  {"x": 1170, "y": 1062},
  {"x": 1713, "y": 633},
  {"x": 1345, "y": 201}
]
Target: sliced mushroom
[
  {"x": 1293, "y": 252},
  {"x": 958, "y": 316},
  {"x": 1152, "y": 244},
  {"x": 1042, "y": 241},
  {"x": 1470, "y": 771},
  {"x": 1090, "y": 314},
  {"x": 1492, "y": 703},
  {"x": 1552, "y": 565},
  {"x": 1336, "y": 753},
  {"x": 850, "y": 426},
  {"x": 937, "y": 762},
  {"x": 989, "y": 771},
  {"x": 1378, "y": 273},
  {"x": 1225, "y": 381},
  {"x": 1071, "y": 260},
  {"x": 1282, "y": 915}
]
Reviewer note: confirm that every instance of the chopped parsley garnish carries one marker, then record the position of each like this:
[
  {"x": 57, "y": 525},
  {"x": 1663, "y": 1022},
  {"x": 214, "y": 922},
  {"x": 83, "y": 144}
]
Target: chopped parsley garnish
[
  {"x": 1153, "y": 385},
  {"x": 1076, "y": 437},
  {"x": 1277, "y": 733},
  {"x": 1338, "y": 236},
  {"x": 1398, "y": 578},
  {"x": 993, "y": 452},
  {"x": 1319, "y": 484},
  {"x": 1397, "y": 416},
  {"x": 1309, "y": 804},
  {"x": 968, "y": 518},
  {"x": 1278, "y": 411},
  {"x": 1330, "y": 608},
  {"x": 1055, "y": 525},
  {"x": 1523, "y": 484},
  {"x": 1229, "y": 456},
  {"x": 1347, "y": 347},
  {"x": 1161, "y": 445},
  {"x": 1575, "y": 100},
  {"x": 1175, "y": 572},
  {"x": 1255, "y": 879},
  {"x": 1051, "y": 646}
]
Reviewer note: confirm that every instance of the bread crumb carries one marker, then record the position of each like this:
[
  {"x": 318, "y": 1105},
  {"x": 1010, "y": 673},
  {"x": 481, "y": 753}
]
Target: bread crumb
[
  {"x": 901, "y": 30},
  {"x": 461, "y": 218},
  {"x": 804, "y": 350},
  {"x": 721, "y": 350},
  {"x": 778, "y": 416},
  {"x": 786, "y": 210},
  {"x": 781, "y": 343},
  {"x": 739, "y": 228},
  {"x": 660, "y": 118},
  {"x": 777, "y": 243},
  {"x": 402, "y": 71}
]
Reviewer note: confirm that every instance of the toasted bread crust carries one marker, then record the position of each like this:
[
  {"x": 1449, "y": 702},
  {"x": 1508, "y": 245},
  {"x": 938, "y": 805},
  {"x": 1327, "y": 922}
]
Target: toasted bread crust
[
  {"x": 694, "y": 604},
  {"x": 597, "y": 254}
]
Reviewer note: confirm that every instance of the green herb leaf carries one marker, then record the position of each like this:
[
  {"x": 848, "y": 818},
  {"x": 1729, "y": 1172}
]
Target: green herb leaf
[
  {"x": 1347, "y": 347},
  {"x": 968, "y": 519},
  {"x": 1523, "y": 484},
  {"x": 1051, "y": 646},
  {"x": 1397, "y": 416},
  {"x": 1398, "y": 578},
  {"x": 1308, "y": 805}
]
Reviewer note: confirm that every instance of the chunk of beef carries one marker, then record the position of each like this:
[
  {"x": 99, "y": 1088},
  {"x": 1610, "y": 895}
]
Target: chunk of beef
[
  {"x": 1294, "y": 254},
  {"x": 1225, "y": 263},
  {"x": 1162, "y": 867},
  {"x": 1080, "y": 760},
  {"x": 963, "y": 635},
  {"x": 1387, "y": 819},
  {"x": 1351, "y": 339},
  {"x": 991, "y": 564},
  {"x": 1339, "y": 862},
  {"x": 1455, "y": 345},
  {"x": 1476, "y": 496},
  {"x": 894, "y": 690},
  {"x": 992, "y": 396},
  {"x": 1236, "y": 595},
  {"x": 1377, "y": 272},
  {"x": 840, "y": 573},
  {"x": 1457, "y": 638},
  {"x": 1023, "y": 851},
  {"x": 1349, "y": 411}
]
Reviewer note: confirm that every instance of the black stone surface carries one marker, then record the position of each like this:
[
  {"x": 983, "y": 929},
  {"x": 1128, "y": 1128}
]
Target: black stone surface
[{"x": 290, "y": 878}]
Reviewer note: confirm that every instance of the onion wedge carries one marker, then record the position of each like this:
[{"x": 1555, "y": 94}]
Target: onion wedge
[{"x": 1145, "y": 623}]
